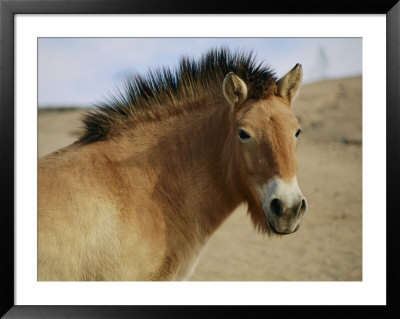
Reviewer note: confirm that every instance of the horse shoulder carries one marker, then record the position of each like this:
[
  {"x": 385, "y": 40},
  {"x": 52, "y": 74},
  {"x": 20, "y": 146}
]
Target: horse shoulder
[{"x": 91, "y": 225}]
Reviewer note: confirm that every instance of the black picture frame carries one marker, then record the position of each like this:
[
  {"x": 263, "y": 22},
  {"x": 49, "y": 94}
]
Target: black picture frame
[{"x": 8, "y": 10}]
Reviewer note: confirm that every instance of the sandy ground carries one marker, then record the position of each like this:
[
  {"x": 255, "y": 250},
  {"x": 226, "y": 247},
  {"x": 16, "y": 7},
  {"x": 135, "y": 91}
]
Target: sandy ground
[{"x": 328, "y": 246}]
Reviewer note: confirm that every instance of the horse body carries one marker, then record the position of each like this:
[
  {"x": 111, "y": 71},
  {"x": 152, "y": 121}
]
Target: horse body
[
  {"x": 141, "y": 203},
  {"x": 144, "y": 204}
]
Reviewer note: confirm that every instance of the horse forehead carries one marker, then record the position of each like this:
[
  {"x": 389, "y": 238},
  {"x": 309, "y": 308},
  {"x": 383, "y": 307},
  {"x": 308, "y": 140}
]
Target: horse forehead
[{"x": 271, "y": 114}]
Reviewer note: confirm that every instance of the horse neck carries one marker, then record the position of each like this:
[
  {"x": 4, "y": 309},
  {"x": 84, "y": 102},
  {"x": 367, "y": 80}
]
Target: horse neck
[{"x": 193, "y": 156}]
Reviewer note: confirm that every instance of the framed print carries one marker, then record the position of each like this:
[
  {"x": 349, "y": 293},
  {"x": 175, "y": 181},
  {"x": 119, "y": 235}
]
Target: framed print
[{"x": 54, "y": 55}]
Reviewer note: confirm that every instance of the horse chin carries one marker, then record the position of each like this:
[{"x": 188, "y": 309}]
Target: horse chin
[{"x": 273, "y": 229}]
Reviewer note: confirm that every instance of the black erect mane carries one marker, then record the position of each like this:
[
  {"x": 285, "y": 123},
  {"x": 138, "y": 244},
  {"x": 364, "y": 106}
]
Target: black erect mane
[{"x": 165, "y": 90}]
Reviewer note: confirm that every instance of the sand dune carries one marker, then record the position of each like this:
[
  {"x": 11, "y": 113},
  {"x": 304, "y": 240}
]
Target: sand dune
[{"x": 328, "y": 246}]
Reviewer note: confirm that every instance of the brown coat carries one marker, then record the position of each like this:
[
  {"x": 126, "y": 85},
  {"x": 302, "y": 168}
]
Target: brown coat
[{"x": 138, "y": 197}]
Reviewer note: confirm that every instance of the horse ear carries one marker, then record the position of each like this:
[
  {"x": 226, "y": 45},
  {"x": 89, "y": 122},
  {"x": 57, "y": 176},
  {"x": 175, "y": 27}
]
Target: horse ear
[
  {"x": 234, "y": 88},
  {"x": 289, "y": 85}
]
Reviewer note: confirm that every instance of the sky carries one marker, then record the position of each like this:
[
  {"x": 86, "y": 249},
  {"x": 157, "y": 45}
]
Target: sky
[{"x": 84, "y": 71}]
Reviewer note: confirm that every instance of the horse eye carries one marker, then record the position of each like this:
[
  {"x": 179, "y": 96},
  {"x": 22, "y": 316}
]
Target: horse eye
[
  {"x": 243, "y": 135},
  {"x": 298, "y": 132}
]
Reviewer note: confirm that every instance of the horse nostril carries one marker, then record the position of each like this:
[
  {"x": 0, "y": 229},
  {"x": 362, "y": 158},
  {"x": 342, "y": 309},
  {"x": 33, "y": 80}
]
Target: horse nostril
[
  {"x": 276, "y": 207},
  {"x": 303, "y": 204},
  {"x": 302, "y": 208}
]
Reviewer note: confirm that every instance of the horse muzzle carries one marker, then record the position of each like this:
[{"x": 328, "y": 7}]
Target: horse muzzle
[{"x": 284, "y": 205}]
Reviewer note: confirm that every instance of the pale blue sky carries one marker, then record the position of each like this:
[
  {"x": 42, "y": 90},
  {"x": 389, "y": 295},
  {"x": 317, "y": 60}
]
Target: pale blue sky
[{"x": 83, "y": 71}]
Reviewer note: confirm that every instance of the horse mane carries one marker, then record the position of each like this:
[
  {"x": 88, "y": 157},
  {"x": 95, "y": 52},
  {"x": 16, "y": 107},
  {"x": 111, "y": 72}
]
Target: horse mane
[{"x": 164, "y": 91}]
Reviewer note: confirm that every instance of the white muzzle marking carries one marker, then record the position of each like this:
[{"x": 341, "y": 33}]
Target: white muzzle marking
[{"x": 284, "y": 204}]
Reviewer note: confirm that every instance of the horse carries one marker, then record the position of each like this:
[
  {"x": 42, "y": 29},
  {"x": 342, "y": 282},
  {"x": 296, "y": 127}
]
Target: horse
[{"x": 163, "y": 163}]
